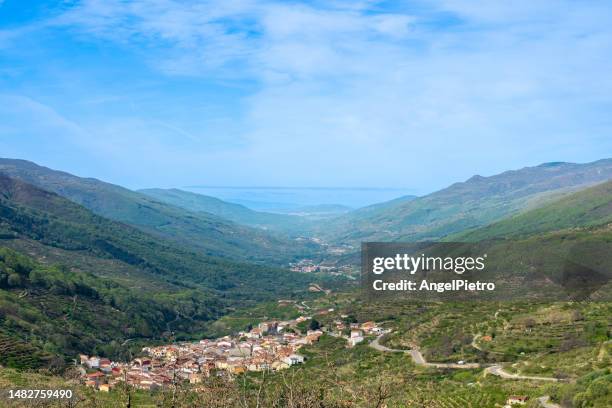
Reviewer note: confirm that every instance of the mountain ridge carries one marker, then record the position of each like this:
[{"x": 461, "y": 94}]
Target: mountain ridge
[
  {"x": 469, "y": 204},
  {"x": 204, "y": 232},
  {"x": 587, "y": 208}
]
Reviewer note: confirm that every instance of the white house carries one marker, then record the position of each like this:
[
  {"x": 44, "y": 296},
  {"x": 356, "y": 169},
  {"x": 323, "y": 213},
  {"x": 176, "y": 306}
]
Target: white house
[
  {"x": 353, "y": 341},
  {"x": 93, "y": 362},
  {"x": 294, "y": 359}
]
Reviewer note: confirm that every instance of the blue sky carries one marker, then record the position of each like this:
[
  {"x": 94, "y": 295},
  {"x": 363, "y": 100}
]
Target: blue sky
[{"x": 415, "y": 94}]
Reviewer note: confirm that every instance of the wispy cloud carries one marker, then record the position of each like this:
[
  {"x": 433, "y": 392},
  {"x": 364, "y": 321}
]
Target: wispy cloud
[
  {"x": 241, "y": 36},
  {"x": 361, "y": 90}
]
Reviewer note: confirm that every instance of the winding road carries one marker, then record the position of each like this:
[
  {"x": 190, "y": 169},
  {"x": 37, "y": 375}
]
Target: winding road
[
  {"x": 417, "y": 357},
  {"x": 500, "y": 372},
  {"x": 494, "y": 369}
]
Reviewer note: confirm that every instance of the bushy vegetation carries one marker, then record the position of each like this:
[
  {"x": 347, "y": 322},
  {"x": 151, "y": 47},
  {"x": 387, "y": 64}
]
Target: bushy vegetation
[
  {"x": 93, "y": 285},
  {"x": 28, "y": 212},
  {"x": 61, "y": 312}
]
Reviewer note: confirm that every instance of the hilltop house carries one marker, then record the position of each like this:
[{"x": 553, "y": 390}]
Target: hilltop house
[{"x": 367, "y": 326}]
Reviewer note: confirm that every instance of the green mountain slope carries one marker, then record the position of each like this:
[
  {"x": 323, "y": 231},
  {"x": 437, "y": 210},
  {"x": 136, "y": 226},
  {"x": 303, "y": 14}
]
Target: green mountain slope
[
  {"x": 557, "y": 252},
  {"x": 234, "y": 212},
  {"x": 72, "y": 280},
  {"x": 63, "y": 312},
  {"x": 588, "y": 208},
  {"x": 562, "y": 247},
  {"x": 200, "y": 231},
  {"x": 474, "y": 203}
]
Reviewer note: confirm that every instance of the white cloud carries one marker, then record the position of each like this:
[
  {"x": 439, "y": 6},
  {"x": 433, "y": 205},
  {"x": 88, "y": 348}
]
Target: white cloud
[{"x": 342, "y": 85}]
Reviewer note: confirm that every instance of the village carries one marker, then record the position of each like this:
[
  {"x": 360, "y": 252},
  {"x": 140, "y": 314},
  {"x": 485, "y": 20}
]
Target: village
[
  {"x": 270, "y": 346},
  {"x": 311, "y": 266}
]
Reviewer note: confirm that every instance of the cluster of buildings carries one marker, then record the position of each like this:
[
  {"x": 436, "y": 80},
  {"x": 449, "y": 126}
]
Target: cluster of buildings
[
  {"x": 356, "y": 331},
  {"x": 310, "y": 266},
  {"x": 304, "y": 266},
  {"x": 269, "y": 346}
]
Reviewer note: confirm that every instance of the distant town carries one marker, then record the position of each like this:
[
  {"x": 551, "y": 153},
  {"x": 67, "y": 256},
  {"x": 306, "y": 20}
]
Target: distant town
[{"x": 311, "y": 266}]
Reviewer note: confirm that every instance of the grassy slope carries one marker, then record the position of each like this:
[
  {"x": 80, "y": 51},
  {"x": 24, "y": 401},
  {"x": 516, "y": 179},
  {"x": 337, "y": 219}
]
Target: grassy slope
[
  {"x": 532, "y": 338},
  {"x": 476, "y": 202},
  {"x": 201, "y": 231},
  {"x": 84, "y": 397},
  {"x": 559, "y": 339}
]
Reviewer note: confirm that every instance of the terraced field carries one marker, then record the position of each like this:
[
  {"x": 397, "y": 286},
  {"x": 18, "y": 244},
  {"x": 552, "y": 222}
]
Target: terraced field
[
  {"x": 551, "y": 330},
  {"x": 467, "y": 401},
  {"x": 18, "y": 354}
]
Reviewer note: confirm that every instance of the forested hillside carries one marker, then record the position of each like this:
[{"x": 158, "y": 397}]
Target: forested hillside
[
  {"x": 588, "y": 208},
  {"x": 477, "y": 202},
  {"x": 62, "y": 312},
  {"x": 565, "y": 245},
  {"x": 109, "y": 281},
  {"x": 201, "y": 231}
]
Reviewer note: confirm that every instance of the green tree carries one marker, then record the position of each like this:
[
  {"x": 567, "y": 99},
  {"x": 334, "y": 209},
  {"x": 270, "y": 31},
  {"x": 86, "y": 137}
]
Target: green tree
[{"x": 314, "y": 325}]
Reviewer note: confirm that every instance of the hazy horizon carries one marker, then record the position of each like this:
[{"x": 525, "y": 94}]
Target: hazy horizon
[
  {"x": 286, "y": 199},
  {"x": 308, "y": 93}
]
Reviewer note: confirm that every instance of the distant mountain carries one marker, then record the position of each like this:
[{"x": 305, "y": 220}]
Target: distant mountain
[
  {"x": 590, "y": 208},
  {"x": 72, "y": 280},
  {"x": 319, "y": 211},
  {"x": 561, "y": 248},
  {"x": 51, "y": 226},
  {"x": 468, "y": 205},
  {"x": 559, "y": 251},
  {"x": 237, "y": 213},
  {"x": 375, "y": 208},
  {"x": 202, "y": 231}
]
